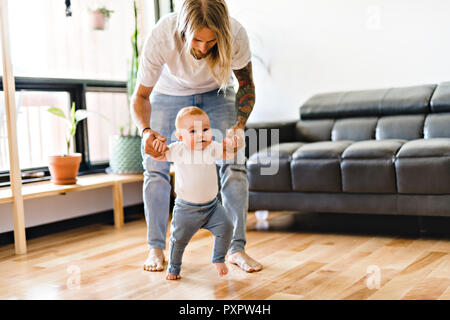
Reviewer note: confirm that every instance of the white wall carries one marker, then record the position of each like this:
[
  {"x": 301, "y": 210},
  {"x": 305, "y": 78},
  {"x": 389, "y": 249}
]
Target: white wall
[
  {"x": 73, "y": 204},
  {"x": 330, "y": 45}
]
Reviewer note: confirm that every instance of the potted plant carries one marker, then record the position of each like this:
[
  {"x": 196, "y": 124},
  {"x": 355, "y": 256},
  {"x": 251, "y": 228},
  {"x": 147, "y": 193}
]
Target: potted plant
[
  {"x": 64, "y": 168},
  {"x": 125, "y": 149},
  {"x": 100, "y": 17}
]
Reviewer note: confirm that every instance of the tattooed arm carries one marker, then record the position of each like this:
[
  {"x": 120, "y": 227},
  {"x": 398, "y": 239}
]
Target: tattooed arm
[{"x": 245, "y": 97}]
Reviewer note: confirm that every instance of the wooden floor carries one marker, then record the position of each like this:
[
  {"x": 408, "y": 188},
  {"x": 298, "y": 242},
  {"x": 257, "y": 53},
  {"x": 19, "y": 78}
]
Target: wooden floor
[{"x": 100, "y": 262}]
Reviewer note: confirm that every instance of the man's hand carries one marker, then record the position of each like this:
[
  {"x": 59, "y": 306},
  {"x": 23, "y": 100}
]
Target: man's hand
[
  {"x": 237, "y": 132},
  {"x": 152, "y": 139},
  {"x": 230, "y": 147}
]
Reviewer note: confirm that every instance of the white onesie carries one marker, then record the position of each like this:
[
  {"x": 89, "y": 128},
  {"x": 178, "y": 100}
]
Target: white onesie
[{"x": 195, "y": 171}]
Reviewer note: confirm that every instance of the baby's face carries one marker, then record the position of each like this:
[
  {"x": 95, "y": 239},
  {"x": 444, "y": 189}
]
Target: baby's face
[{"x": 195, "y": 131}]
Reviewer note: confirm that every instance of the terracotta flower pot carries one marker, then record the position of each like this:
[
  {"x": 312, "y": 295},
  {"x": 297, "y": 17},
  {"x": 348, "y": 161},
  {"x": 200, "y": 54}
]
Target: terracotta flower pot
[
  {"x": 98, "y": 20},
  {"x": 64, "y": 169}
]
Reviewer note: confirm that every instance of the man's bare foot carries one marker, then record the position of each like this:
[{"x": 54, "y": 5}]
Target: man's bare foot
[
  {"x": 155, "y": 260},
  {"x": 221, "y": 268},
  {"x": 170, "y": 276},
  {"x": 243, "y": 261}
]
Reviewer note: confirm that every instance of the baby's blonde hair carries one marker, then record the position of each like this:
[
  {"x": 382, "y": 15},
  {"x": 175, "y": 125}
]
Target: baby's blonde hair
[{"x": 188, "y": 111}]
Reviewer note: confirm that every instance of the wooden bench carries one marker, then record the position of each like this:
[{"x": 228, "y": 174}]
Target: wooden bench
[{"x": 88, "y": 182}]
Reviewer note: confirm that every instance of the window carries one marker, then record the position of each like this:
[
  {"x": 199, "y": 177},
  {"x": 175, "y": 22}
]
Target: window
[
  {"x": 52, "y": 45},
  {"x": 113, "y": 114},
  {"x": 39, "y": 133},
  {"x": 163, "y": 7}
]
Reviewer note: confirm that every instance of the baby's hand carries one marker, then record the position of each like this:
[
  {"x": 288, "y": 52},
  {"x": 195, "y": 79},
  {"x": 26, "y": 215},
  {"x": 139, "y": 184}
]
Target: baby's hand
[{"x": 160, "y": 146}]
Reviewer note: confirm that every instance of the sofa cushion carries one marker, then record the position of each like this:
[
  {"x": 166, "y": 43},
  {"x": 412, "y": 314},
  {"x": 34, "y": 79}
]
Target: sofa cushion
[
  {"x": 321, "y": 150},
  {"x": 373, "y": 149},
  {"x": 355, "y": 129},
  {"x": 315, "y": 166},
  {"x": 440, "y": 101},
  {"x": 269, "y": 169},
  {"x": 366, "y": 103},
  {"x": 423, "y": 167},
  {"x": 407, "y": 100},
  {"x": 278, "y": 151},
  {"x": 314, "y": 130},
  {"x": 343, "y": 104},
  {"x": 368, "y": 166},
  {"x": 407, "y": 127},
  {"x": 437, "y": 125},
  {"x": 437, "y": 147}
]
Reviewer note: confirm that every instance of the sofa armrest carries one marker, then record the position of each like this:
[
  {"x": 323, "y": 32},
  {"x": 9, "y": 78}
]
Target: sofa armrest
[{"x": 286, "y": 130}]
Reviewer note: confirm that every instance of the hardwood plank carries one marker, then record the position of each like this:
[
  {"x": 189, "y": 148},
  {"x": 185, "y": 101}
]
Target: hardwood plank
[
  {"x": 362, "y": 289},
  {"x": 443, "y": 269},
  {"x": 400, "y": 242},
  {"x": 428, "y": 289},
  {"x": 442, "y": 245},
  {"x": 366, "y": 247},
  {"x": 445, "y": 295},
  {"x": 284, "y": 296},
  {"x": 310, "y": 282},
  {"x": 406, "y": 279},
  {"x": 337, "y": 275},
  {"x": 283, "y": 283}
]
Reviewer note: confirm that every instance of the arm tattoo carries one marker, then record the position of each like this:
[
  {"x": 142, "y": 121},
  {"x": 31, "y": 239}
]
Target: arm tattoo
[{"x": 245, "y": 96}]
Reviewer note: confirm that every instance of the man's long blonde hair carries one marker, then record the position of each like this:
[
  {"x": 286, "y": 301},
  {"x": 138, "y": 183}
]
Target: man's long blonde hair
[{"x": 193, "y": 16}]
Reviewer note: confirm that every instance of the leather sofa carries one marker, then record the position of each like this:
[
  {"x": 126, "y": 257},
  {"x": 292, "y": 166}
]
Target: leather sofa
[{"x": 384, "y": 151}]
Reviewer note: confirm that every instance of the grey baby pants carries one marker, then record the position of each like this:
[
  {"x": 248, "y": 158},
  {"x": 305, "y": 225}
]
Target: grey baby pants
[{"x": 188, "y": 218}]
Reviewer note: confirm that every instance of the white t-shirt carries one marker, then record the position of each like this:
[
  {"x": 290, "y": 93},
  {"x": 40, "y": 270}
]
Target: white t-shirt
[
  {"x": 165, "y": 66},
  {"x": 195, "y": 171}
]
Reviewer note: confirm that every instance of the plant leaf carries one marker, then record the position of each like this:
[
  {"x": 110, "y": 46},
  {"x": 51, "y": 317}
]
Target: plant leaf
[
  {"x": 73, "y": 130},
  {"x": 72, "y": 113},
  {"x": 57, "y": 112},
  {"x": 81, "y": 114}
]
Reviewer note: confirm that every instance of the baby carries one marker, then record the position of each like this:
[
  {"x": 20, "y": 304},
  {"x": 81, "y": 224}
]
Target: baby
[{"x": 196, "y": 187}]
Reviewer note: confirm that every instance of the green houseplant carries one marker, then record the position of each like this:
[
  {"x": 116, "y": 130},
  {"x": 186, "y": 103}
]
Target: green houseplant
[
  {"x": 64, "y": 168},
  {"x": 125, "y": 149}
]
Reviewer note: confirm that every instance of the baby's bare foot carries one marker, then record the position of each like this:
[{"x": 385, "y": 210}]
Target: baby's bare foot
[
  {"x": 243, "y": 261},
  {"x": 221, "y": 268},
  {"x": 170, "y": 276},
  {"x": 155, "y": 260}
]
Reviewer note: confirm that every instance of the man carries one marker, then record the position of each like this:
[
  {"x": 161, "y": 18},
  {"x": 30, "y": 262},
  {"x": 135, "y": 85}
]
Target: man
[{"x": 187, "y": 60}]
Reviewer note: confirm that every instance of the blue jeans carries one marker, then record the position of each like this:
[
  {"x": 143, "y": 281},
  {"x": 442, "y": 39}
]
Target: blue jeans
[
  {"x": 233, "y": 181},
  {"x": 187, "y": 219}
]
